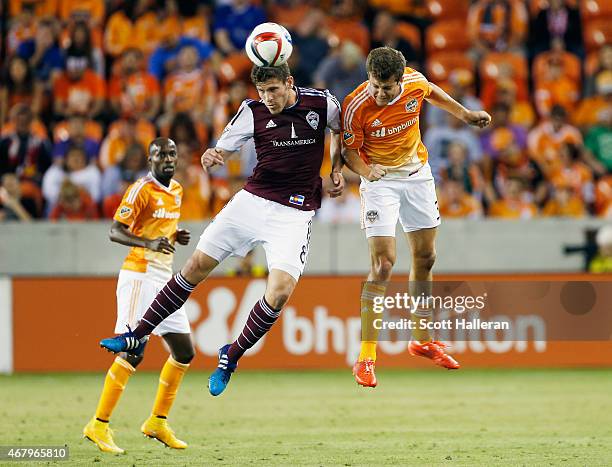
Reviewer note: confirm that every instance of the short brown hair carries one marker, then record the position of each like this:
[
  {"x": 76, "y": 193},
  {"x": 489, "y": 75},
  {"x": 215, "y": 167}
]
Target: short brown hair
[
  {"x": 385, "y": 63},
  {"x": 261, "y": 74}
]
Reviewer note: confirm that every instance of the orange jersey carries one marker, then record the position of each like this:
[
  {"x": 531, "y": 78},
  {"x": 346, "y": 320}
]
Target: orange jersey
[
  {"x": 387, "y": 135},
  {"x": 151, "y": 210}
]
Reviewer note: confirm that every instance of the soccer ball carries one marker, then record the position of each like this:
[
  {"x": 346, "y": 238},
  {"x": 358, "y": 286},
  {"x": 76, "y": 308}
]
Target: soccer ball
[{"x": 269, "y": 45}]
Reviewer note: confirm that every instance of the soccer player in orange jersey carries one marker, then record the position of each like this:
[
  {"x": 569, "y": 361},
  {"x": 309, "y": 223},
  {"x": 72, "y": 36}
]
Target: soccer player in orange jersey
[
  {"x": 147, "y": 220},
  {"x": 382, "y": 143}
]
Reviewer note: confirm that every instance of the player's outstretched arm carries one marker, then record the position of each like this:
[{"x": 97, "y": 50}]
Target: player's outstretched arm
[
  {"x": 337, "y": 163},
  {"x": 356, "y": 164},
  {"x": 214, "y": 156},
  {"x": 120, "y": 233},
  {"x": 440, "y": 98}
]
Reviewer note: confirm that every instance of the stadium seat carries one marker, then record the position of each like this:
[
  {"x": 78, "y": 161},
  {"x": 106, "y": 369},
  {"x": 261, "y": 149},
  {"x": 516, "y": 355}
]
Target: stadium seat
[
  {"x": 447, "y": 36},
  {"x": 236, "y": 66},
  {"x": 595, "y": 9},
  {"x": 591, "y": 63},
  {"x": 448, "y": 9},
  {"x": 490, "y": 65},
  {"x": 440, "y": 66},
  {"x": 410, "y": 33},
  {"x": 597, "y": 33}
]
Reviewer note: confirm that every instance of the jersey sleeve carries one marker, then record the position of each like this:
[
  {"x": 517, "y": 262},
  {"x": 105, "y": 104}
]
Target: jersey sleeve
[
  {"x": 133, "y": 203},
  {"x": 352, "y": 129},
  {"x": 419, "y": 80},
  {"x": 333, "y": 112},
  {"x": 239, "y": 130}
]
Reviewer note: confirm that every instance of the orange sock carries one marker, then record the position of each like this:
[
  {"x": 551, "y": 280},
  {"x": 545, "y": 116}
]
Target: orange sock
[
  {"x": 114, "y": 384},
  {"x": 169, "y": 381},
  {"x": 370, "y": 292}
]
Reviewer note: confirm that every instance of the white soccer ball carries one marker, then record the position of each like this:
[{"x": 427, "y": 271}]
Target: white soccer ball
[{"x": 269, "y": 45}]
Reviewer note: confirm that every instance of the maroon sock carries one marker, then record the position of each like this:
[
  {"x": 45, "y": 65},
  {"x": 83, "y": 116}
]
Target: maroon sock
[
  {"x": 169, "y": 299},
  {"x": 261, "y": 318}
]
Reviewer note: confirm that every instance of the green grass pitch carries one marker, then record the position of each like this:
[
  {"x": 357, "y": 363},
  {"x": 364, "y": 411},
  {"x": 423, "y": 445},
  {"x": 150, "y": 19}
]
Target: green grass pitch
[{"x": 436, "y": 417}]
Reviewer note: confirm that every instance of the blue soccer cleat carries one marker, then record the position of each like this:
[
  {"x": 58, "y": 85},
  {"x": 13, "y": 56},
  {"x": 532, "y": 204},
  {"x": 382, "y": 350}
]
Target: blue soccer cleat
[
  {"x": 126, "y": 342},
  {"x": 218, "y": 380}
]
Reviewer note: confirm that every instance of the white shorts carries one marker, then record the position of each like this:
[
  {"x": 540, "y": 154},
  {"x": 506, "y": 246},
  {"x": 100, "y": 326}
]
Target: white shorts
[
  {"x": 248, "y": 220},
  {"x": 412, "y": 200},
  {"x": 135, "y": 292}
]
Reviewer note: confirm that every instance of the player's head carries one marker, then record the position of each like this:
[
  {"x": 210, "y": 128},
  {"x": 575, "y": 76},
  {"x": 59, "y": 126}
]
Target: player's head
[
  {"x": 162, "y": 156},
  {"x": 385, "y": 67},
  {"x": 274, "y": 84}
]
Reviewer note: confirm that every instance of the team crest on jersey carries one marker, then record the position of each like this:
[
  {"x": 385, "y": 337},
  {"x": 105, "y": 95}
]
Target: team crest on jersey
[
  {"x": 412, "y": 105},
  {"x": 348, "y": 137},
  {"x": 313, "y": 119},
  {"x": 372, "y": 215},
  {"x": 125, "y": 212}
]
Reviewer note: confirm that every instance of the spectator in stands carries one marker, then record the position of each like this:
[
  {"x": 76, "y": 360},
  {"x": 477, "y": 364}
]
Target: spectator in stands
[
  {"x": 43, "y": 53},
  {"x": 564, "y": 203},
  {"x": 309, "y": 46},
  {"x": 598, "y": 140},
  {"x": 12, "y": 206},
  {"x": 75, "y": 168},
  {"x": 233, "y": 22},
  {"x": 515, "y": 202},
  {"x": 559, "y": 20},
  {"x": 341, "y": 72},
  {"x": 18, "y": 86},
  {"x": 461, "y": 82},
  {"x": 90, "y": 11},
  {"x": 190, "y": 88},
  {"x": 77, "y": 136},
  {"x": 134, "y": 92},
  {"x": 456, "y": 202},
  {"x": 122, "y": 134},
  {"x": 521, "y": 112},
  {"x": 384, "y": 33},
  {"x": 21, "y": 152},
  {"x": 20, "y": 29},
  {"x": 164, "y": 58},
  {"x": 497, "y": 25},
  {"x": 461, "y": 169},
  {"x": 604, "y": 65},
  {"x": 545, "y": 140},
  {"x": 556, "y": 89},
  {"x": 196, "y": 185},
  {"x": 74, "y": 204},
  {"x": 572, "y": 172},
  {"x": 82, "y": 47},
  {"x": 592, "y": 109},
  {"x": 438, "y": 139},
  {"x": 343, "y": 209},
  {"x": 117, "y": 177},
  {"x": 228, "y": 103},
  {"x": 79, "y": 91}
]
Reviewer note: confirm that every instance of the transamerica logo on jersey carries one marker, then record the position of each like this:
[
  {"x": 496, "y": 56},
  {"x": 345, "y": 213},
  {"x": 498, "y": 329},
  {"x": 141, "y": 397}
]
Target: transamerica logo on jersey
[
  {"x": 313, "y": 119},
  {"x": 412, "y": 105},
  {"x": 382, "y": 132}
]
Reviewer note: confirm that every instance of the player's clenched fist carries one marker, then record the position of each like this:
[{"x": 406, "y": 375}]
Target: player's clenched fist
[
  {"x": 183, "y": 236},
  {"x": 377, "y": 172},
  {"x": 478, "y": 118},
  {"x": 161, "y": 245},
  {"x": 211, "y": 157}
]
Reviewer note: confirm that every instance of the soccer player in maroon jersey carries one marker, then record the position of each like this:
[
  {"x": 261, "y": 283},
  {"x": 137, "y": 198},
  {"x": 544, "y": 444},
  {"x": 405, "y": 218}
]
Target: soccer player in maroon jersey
[{"x": 274, "y": 209}]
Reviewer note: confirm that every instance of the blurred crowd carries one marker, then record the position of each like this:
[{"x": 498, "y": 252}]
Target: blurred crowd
[{"x": 86, "y": 84}]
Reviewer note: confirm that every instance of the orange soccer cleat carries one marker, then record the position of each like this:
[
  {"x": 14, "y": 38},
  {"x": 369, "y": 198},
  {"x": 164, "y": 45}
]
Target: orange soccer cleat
[
  {"x": 435, "y": 351},
  {"x": 363, "y": 371}
]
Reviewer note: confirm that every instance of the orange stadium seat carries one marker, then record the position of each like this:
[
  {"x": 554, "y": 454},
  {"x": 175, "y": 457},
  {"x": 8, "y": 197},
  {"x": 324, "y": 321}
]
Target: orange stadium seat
[
  {"x": 236, "y": 66},
  {"x": 444, "y": 36},
  {"x": 440, "y": 66},
  {"x": 410, "y": 33},
  {"x": 448, "y": 9},
  {"x": 490, "y": 65},
  {"x": 595, "y": 9},
  {"x": 597, "y": 33}
]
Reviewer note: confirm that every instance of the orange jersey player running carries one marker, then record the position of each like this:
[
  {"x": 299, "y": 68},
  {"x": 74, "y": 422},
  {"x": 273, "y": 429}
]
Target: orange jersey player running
[
  {"x": 382, "y": 143},
  {"x": 147, "y": 220}
]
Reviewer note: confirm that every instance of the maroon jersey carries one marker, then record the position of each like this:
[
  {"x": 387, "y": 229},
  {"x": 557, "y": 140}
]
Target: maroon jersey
[{"x": 289, "y": 146}]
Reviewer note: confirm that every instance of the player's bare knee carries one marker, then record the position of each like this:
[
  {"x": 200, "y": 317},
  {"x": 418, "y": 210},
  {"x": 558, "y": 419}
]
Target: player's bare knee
[
  {"x": 198, "y": 267},
  {"x": 382, "y": 267},
  {"x": 425, "y": 260}
]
